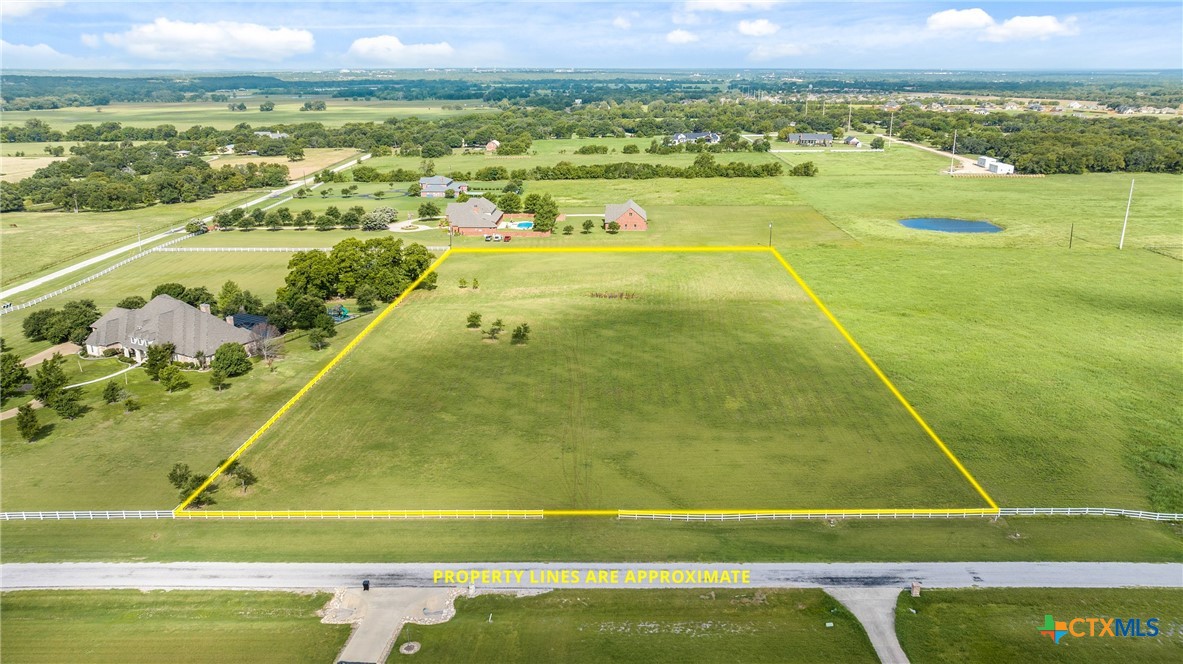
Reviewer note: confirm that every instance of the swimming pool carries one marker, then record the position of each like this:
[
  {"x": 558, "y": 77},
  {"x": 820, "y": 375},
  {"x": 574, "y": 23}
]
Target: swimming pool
[
  {"x": 521, "y": 225},
  {"x": 946, "y": 225}
]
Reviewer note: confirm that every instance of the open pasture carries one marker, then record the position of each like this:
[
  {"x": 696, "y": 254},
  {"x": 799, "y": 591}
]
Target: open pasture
[
  {"x": 197, "y": 626},
  {"x": 215, "y": 114},
  {"x": 650, "y": 381},
  {"x": 315, "y": 159}
]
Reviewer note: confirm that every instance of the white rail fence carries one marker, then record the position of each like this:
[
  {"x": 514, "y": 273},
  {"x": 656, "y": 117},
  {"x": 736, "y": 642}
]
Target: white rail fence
[
  {"x": 217, "y": 249},
  {"x": 1090, "y": 511},
  {"x": 76, "y": 284},
  {"x": 86, "y": 515}
]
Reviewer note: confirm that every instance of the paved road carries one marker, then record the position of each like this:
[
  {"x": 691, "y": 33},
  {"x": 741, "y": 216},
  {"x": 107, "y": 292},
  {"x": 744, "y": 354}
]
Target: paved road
[
  {"x": 281, "y": 576},
  {"x": 148, "y": 241}
]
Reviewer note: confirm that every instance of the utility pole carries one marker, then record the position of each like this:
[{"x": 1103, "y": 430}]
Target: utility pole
[
  {"x": 849, "y": 108},
  {"x": 891, "y": 124},
  {"x": 769, "y": 235},
  {"x": 953, "y": 159},
  {"x": 1121, "y": 243}
]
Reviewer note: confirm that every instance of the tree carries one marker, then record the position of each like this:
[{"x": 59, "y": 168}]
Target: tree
[
  {"x": 269, "y": 342},
  {"x": 530, "y": 202},
  {"x": 303, "y": 219},
  {"x": 158, "y": 357},
  {"x": 365, "y": 297},
  {"x": 172, "y": 289},
  {"x": 243, "y": 475},
  {"x": 179, "y": 475},
  {"x": 521, "y": 334},
  {"x": 295, "y": 153},
  {"x": 463, "y": 282},
  {"x": 631, "y": 148},
  {"x": 230, "y": 299},
  {"x": 130, "y": 405},
  {"x": 877, "y": 143},
  {"x": 68, "y": 403},
  {"x": 496, "y": 329},
  {"x": 510, "y": 203},
  {"x": 804, "y": 169},
  {"x": 132, "y": 302},
  {"x": 13, "y": 374},
  {"x": 112, "y": 392},
  {"x": 545, "y": 213},
  {"x": 325, "y": 223},
  {"x": 474, "y": 320},
  {"x": 568, "y": 229},
  {"x": 267, "y": 106},
  {"x": 49, "y": 379},
  {"x": 231, "y": 359},
  {"x": 429, "y": 210},
  {"x": 588, "y": 225},
  {"x": 11, "y": 200},
  {"x": 172, "y": 379},
  {"x": 26, "y": 422},
  {"x": 475, "y": 284},
  {"x": 415, "y": 189},
  {"x": 613, "y": 227},
  {"x": 316, "y": 338},
  {"x": 217, "y": 379}
]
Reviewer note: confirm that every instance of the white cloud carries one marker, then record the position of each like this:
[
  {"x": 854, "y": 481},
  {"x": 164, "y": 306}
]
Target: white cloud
[
  {"x": 729, "y": 5},
  {"x": 38, "y": 56},
  {"x": 760, "y": 27},
  {"x": 960, "y": 19},
  {"x": 389, "y": 51},
  {"x": 90, "y": 40},
  {"x": 13, "y": 8},
  {"x": 776, "y": 51},
  {"x": 1014, "y": 28},
  {"x": 178, "y": 41},
  {"x": 681, "y": 37},
  {"x": 622, "y": 23},
  {"x": 1031, "y": 27}
]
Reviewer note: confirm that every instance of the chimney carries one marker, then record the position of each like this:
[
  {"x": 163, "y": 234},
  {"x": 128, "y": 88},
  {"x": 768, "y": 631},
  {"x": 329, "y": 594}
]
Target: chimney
[
  {"x": 204, "y": 306},
  {"x": 230, "y": 319}
]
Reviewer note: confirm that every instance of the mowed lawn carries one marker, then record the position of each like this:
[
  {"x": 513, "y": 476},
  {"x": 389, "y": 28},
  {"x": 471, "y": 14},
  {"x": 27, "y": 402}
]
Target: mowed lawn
[
  {"x": 750, "y": 625},
  {"x": 993, "y": 625},
  {"x": 261, "y": 273},
  {"x": 1055, "y": 375},
  {"x": 132, "y": 626},
  {"x": 715, "y": 383},
  {"x": 34, "y": 243}
]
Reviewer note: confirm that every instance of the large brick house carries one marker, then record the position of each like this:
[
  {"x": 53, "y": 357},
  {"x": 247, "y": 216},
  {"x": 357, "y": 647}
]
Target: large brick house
[
  {"x": 476, "y": 215},
  {"x": 695, "y": 136},
  {"x": 437, "y": 186},
  {"x": 629, "y": 215},
  {"x": 194, "y": 333}
]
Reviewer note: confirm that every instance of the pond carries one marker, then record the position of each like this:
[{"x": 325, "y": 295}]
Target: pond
[{"x": 946, "y": 225}]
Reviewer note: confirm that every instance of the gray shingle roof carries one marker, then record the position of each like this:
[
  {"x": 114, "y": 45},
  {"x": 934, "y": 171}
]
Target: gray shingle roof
[
  {"x": 612, "y": 211},
  {"x": 793, "y": 138},
  {"x": 476, "y": 212},
  {"x": 165, "y": 320}
]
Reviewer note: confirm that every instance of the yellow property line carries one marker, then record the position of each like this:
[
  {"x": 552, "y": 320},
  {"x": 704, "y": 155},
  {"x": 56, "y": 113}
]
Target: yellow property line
[
  {"x": 886, "y": 381},
  {"x": 304, "y": 390},
  {"x": 985, "y": 511}
]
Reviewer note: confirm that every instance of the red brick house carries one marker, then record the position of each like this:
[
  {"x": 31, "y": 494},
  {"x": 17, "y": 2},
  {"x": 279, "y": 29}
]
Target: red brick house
[{"x": 630, "y": 216}]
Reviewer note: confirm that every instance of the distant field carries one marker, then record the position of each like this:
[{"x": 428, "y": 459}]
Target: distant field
[
  {"x": 109, "y": 459},
  {"x": 1003, "y": 625},
  {"x": 651, "y": 626},
  {"x": 15, "y": 169},
  {"x": 131, "y": 626},
  {"x": 210, "y": 114},
  {"x": 315, "y": 159},
  {"x": 34, "y": 243},
  {"x": 719, "y": 362}
]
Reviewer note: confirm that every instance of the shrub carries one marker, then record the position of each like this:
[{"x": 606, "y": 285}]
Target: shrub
[{"x": 231, "y": 359}]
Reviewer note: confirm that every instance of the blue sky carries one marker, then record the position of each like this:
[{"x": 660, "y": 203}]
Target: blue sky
[{"x": 696, "y": 34}]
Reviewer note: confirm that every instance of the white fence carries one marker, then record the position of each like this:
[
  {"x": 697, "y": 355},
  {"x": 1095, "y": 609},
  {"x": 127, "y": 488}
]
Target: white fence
[
  {"x": 86, "y": 515},
  {"x": 1089, "y": 511},
  {"x": 76, "y": 284},
  {"x": 217, "y": 249}
]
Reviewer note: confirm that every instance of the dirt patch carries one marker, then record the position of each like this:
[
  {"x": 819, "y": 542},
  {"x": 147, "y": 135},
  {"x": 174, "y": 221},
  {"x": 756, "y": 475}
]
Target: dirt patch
[{"x": 615, "y": 296}]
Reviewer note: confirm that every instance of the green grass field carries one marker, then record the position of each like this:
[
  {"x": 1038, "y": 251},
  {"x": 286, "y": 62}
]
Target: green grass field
[
  {"x": 650, "y": 626},
  {"x": 748, "y": 399},
  {"x": 35, "y": 243},
  {"x": 110, "y": 459},
  {"x": 1003, "y": 625},
  {"x": 131, "y": 626},
  {"x": 211, "y": 114}
]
